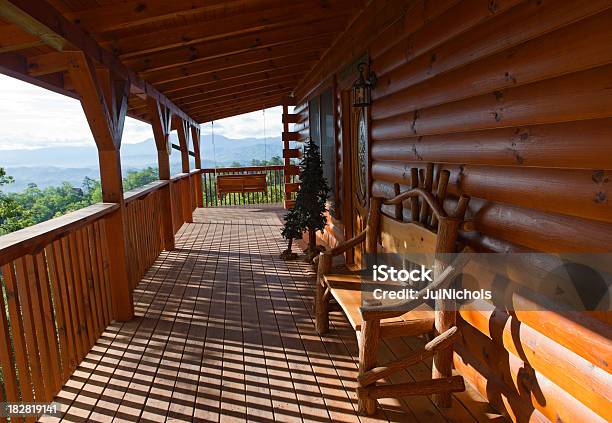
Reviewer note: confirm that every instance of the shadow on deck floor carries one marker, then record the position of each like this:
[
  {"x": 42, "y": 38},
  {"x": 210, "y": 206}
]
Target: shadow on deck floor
[{"x": 224, "y": 332}]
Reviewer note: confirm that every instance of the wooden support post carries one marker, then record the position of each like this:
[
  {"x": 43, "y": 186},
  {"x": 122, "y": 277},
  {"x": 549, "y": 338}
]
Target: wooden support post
[
  {"x": 196, "y": 138},
  {"x": 160, "y": 121},
  {"x": 104, "y": 102},
  {"x": 439, "y": 343},
  {"x": 372, "y": 231},
  {"x": 445, "y": 309},
  {"x": 321, "y": 301},
  {"x": 287, "y": 160},
  {"x": 368, "y": 354},
  {"x": 184, "y": 135}
]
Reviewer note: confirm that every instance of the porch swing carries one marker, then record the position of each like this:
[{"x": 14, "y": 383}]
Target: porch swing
[{"x": 242, "y": 183}]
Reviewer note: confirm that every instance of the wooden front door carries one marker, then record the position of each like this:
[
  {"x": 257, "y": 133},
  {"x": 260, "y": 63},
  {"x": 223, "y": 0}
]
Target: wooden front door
[{"x": 357, "y": 172}]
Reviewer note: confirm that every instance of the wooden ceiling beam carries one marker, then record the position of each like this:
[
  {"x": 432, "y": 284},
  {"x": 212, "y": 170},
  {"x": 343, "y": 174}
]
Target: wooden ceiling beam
[
  {"x": 275, "y": 16},
  {"x": 13, "y": 38},
  {"x": 16, "y": 66},
  {"x": 312, "y": 46},
  {"x": 43, "y": 15},
  {"x": 283, "y": 83},
  {"x": 45, "y": 64},
  {"x": 259, "y": 71},
  {"x": 226, "y": 101},
  {"x": 353, "y": 41},
  {"x": 185, "y": 55},
  {"x": 199, "y": 95},
  {"x": 128, "y": 14},
  {"x": 238, "y": 98},
  {"x": 287, "y": 81},
  {"x": 239, "y": 110}
]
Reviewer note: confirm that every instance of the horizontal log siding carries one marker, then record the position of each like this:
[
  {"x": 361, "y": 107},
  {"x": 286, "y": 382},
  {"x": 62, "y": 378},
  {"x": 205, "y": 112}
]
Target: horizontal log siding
[{"x": 515, "y": 99}]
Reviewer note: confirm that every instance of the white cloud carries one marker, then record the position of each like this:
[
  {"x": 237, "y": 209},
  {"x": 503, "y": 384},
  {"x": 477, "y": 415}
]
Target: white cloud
[{"x": 33, "y": 117}]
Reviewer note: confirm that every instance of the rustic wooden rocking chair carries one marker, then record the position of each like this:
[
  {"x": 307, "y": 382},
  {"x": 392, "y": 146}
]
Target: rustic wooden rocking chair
[{"x": 431, "y": 233}]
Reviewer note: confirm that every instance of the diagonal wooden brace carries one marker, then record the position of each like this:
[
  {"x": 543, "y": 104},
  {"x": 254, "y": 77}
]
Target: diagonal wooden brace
[{"x": 439, "y": 343}]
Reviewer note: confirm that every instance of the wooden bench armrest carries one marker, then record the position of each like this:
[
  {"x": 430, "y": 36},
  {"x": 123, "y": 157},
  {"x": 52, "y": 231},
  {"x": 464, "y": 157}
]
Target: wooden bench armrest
[
  {"x": 445, "y": 278},
  {"x": 325, "y": 257},
  {"x": 348, "y": 244}
]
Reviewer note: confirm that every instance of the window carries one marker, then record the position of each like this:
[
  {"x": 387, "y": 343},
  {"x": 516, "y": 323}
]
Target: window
[{"x": 322, "y": 133}]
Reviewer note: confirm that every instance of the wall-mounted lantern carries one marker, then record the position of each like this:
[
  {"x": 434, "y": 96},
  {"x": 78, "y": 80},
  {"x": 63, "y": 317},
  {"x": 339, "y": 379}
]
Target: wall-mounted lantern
[{"x": 362, "y": 87}]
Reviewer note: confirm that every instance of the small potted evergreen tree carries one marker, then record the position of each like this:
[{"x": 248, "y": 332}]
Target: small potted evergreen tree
[
  {"x": 309, "y": 210},
  {"x": 293, "y": 229}
]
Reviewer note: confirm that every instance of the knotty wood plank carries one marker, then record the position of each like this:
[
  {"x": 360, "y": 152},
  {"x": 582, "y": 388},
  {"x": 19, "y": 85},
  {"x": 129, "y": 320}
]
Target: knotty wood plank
[
  {"x": 182, "y": 402},
  {"x": 102, "y": 274},
  {"x": 209, "y": 379},
  {"x": 49, "y": 319},
  {"x": 63, "y": 278},
  {"x": 70, "y": 285},
  {"x": 58, "y": 310},
  {"x": 31, "y": 342},
  {"x": 82, "y": 289},
  {"x": 94, "y": 274},
  {"x": 19, "y": 243},
  {"x": 9, "y": 375}
]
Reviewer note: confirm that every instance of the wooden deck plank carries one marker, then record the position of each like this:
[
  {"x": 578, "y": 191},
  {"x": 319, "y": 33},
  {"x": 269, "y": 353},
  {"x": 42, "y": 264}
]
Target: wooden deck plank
[{"x": 224, "y": 332}]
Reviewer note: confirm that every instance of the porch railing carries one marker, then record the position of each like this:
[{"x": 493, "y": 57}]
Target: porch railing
[
  {"x": 55, "y": 302},
  {"x": 55, "y": 284},
  {"x": 144, "y": 228},
  {"x": 275, "y": 179}
]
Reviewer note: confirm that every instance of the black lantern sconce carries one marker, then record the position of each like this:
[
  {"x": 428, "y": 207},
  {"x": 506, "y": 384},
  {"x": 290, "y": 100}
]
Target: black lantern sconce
[{"x": 362, "y": 88}]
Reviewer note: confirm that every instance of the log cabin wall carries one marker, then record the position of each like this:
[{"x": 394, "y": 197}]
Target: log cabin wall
[{"x": 513, "y": 97}]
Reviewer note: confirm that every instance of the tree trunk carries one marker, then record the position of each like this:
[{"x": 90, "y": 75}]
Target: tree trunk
[
  {"x": 288, "y": 254},
  {"x": 312, "y": 251},
  {"x": 312, "y": 240}
]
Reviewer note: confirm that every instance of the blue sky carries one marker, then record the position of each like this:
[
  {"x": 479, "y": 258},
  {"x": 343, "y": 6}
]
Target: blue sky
[{"x": 32, "y": 117}]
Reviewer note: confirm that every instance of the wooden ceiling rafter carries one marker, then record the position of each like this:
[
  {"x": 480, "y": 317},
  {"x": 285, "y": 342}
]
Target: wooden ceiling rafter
[
  {"x": 261, "y": 20},
  {"x": 136, "y": 104},
  {"x": 349, "y": 45},
  {"x": 310, "y": 46},
  {"x": 13, "y": 38},
  {"x": 37, "y": 16},
  {"x": 199, "y": 58},
  {"x": 204, "y": 51},
  {"x": 282, "y": 82},
  {"x": 236, "y": 98},
  {"x": 231, "y": 77},
  {"x": 130, "y": 14},
  {"x": 244, "y": 108}
]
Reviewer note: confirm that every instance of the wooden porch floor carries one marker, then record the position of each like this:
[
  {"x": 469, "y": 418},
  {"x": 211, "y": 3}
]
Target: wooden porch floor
[{"x": 224, "y": 332}]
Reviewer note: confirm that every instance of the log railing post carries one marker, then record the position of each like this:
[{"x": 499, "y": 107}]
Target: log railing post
[
  {"x": 287, "y": 101},
  {"x": 182, "y": 128},
  {"x": 195, "y": 136},
  {"x": 104, "y": 101},
  {"x": 160, "y": 121}
]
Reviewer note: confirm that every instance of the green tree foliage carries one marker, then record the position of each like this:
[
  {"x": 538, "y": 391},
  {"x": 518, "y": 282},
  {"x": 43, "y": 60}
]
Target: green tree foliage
[
  {"x": 138, "y": 178},
  {"x": 12, "y": 214},
  {"x": 274, "y": 161},
  {"x": 34, "y": 205}
]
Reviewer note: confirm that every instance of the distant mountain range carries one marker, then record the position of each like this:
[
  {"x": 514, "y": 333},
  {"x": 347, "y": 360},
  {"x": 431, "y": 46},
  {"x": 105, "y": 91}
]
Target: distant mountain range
[{"x": 54, "y": 165}]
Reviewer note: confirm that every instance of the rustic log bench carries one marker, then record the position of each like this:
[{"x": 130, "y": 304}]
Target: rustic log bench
[
  {"x": 424, "y": 240},
  {"x": 241, "y": 184}
]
